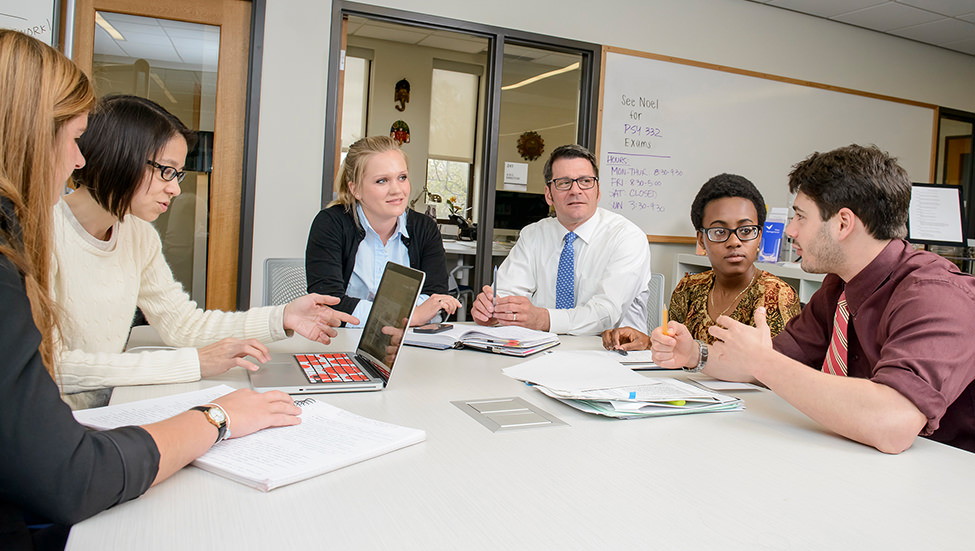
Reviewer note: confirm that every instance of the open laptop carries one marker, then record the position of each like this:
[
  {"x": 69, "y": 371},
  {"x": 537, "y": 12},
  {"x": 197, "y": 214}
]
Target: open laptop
[{"x": 370, "y": 366}]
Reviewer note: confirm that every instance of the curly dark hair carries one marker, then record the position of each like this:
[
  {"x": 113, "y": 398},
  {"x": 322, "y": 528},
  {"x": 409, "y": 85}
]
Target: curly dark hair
[
  {"x": 726, "y": 185},
  {"x": 863, "y": 179}
]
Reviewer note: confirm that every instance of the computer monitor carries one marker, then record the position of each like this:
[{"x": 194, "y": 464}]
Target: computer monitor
[
  {"x": 514, "y": 210},
  {"x": 936, "y": 216}
]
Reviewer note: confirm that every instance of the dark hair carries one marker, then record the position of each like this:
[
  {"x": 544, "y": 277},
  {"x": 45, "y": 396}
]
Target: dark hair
[
  {"x": 865, "y": 180},
  {"x": 123, "y": 133},
  {"x": 726, "y": 185},
  {"x": 571, "y": 151}
]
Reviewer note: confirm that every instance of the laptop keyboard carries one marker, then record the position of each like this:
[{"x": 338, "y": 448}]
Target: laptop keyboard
[{"x": 330, "y": 368}]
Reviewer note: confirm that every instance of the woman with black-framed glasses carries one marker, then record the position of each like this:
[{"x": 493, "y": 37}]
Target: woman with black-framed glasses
[
  {"x": 728, "y": 213},
  {"x": 108, "y": 261}
]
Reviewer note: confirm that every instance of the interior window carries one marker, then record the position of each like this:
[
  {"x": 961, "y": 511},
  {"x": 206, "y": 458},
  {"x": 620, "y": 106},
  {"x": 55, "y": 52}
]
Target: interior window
[{"x": 453, "y": 128}]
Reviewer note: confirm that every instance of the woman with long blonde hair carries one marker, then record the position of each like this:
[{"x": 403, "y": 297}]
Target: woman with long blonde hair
[
  {"x": 53, "y": 471},
  {"x": 369, "y": 224}
]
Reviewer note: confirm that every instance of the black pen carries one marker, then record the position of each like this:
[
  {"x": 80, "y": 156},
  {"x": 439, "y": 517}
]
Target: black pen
[{"x": 621, "y": 351}]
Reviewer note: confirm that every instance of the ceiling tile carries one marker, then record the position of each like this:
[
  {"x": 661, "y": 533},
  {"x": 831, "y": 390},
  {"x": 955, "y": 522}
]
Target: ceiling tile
[
  {"x": 964, "y": 46},
  {"x": 887, "y": 16},
  {"x": 393, "y": 35},
  {"x": 455, "y": 44},
  {"x": 939, "y": 32},
  {"x": 950, "y": 8},
  {"x": 824, "y": 8}
]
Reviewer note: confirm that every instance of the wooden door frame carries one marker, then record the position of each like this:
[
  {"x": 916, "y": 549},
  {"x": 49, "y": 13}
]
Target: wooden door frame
[{"x": 234, "y": 19}]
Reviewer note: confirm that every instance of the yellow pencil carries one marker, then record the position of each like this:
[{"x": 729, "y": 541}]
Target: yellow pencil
[{"x": 665, "y": 323}]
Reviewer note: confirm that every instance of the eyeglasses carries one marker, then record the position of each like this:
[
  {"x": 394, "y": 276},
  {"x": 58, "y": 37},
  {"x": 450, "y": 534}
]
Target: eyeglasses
[
  {"x": 167, "y": 173},
  {"x": 720, "y": 235},
  {"x": 563, "y": 184}
]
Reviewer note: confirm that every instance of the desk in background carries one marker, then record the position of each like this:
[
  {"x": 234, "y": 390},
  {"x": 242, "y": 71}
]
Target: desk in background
[{"x": 764, "y": 478}]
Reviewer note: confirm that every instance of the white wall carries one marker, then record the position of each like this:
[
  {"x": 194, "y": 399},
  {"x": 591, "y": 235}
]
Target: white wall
[{"x": 735, "y": 33}]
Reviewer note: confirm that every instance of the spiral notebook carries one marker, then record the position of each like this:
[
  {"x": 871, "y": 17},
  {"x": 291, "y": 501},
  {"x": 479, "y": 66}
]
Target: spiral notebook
[
  {"x": 508, "y": 340},
  {"x": 328, "y": 439}
]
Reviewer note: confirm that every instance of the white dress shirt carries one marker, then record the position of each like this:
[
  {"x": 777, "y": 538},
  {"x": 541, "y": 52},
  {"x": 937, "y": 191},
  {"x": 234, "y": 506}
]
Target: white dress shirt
[
  {"x": 370, "y": 262},
  {"x": 612, "y": 270}
]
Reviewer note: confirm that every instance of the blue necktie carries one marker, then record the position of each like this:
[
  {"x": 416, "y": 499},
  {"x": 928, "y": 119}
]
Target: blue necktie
[{"x": 565, "y": 294}]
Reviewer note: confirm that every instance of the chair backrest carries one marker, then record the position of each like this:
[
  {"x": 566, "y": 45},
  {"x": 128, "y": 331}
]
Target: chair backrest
[
  {"x": 655, "y": 302},
  {"x": 284, "y": 280}
]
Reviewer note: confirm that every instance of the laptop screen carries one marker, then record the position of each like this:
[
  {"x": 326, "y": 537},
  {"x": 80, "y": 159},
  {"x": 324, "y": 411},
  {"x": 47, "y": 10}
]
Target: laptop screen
[{"x": 382, "y": 336}]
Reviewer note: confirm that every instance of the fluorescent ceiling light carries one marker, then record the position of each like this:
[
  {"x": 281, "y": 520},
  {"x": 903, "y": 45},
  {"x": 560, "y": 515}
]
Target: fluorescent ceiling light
[
  {"x": 162, "y": 86},
  {"x": 112, "y": 31},
  {"x": 537, "y": 78}
]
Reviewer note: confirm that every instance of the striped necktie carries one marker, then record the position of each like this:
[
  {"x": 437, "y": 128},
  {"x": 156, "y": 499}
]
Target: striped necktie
[
  {"x": 565, "y": 293},
  {"x": 835, "y": 362}
]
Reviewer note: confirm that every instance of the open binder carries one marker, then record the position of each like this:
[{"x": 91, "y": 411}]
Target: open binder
[{"x": 511, "y": 341}]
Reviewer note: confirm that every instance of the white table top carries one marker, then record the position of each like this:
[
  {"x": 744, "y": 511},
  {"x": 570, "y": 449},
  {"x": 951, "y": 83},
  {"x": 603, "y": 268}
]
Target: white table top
[{"x": 764, "y": 478}]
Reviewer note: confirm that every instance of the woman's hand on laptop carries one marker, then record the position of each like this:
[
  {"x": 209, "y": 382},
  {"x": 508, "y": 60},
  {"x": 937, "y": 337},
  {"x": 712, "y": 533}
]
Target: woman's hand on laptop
[
  {"x": 312, "y": 317},
  {"x": 230, "y": 352}
]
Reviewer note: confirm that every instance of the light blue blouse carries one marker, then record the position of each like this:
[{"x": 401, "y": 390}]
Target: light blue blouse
[{"x": 370, "y": 261}]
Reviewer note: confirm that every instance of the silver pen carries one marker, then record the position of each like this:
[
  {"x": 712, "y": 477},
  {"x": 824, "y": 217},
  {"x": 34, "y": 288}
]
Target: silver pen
[{"x": 494, "y": 290}]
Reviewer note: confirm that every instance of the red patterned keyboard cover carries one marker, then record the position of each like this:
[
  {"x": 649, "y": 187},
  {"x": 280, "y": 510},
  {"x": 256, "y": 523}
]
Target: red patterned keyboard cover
[{"x": 330, "y": 368}]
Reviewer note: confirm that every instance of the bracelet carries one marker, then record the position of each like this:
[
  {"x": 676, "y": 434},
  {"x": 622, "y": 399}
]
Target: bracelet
[
  {"x": 703, "y": 355},
  {"x": 225, "y": 416}
]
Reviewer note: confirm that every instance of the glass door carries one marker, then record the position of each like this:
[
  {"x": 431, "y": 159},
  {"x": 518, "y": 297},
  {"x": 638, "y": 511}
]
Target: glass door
[
  {"x": 173, "y": 63},
  {"x": 189, "y": 64}
]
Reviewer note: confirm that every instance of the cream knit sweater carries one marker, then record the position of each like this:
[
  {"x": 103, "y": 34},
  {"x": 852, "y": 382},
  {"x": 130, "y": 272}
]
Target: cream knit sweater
[{"x": 98, "y": 290}]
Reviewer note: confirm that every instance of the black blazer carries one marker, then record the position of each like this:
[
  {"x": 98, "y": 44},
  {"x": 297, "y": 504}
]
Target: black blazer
[{"x": 334, "y": 240}]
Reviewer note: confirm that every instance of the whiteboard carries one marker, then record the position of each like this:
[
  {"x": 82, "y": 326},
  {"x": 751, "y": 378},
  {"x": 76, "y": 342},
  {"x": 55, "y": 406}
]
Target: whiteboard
[
  {"x": 34, "y": 17},
  {"x": 667, "y": 127}
]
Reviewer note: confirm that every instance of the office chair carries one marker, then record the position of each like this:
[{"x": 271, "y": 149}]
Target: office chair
[
  {"x": 463, "y": 293},
  {"x": 284, "y": 280}
]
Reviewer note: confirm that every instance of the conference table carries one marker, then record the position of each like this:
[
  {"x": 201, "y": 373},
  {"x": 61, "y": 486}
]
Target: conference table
[{"x": 767, "y": 477}]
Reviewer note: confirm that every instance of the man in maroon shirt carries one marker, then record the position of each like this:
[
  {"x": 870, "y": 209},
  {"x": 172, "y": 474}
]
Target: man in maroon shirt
[{"x": 910, "y": 360}]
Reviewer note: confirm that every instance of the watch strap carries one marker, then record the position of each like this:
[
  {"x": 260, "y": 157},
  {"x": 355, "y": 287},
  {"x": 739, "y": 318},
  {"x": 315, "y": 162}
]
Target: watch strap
[{"x": 222, "y": 431}]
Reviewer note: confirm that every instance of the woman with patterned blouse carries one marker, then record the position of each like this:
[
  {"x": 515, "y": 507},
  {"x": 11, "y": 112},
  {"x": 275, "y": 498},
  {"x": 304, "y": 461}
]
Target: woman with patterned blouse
[{"x": 729, "y": 213}]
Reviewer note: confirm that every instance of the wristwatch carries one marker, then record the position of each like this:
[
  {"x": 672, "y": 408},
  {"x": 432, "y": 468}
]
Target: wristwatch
[
  {"x": 217, "y": 417},
  {"x": 703, "y": 351}
]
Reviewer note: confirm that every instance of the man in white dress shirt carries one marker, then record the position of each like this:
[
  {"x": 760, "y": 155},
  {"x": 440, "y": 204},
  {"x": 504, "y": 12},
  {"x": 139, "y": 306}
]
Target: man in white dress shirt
[{"x": 582, "y": 272}]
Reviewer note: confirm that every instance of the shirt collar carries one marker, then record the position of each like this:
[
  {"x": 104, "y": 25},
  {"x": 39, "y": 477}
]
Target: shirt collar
[
  {"x": 876, "y": 273},
  {"x": 400, "y": 223},
  {"x": 585, "y": 230}
]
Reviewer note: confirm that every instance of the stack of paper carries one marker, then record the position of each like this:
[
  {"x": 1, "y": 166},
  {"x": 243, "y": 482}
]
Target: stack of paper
[
  {"x": 595, "y": 383},
  {"x": 327, "y": 439},
  {"x": 510, "y": 340},
  {"x": 638, "y": 360}
]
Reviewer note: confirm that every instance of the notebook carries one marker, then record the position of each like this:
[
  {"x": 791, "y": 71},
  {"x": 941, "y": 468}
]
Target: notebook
[
  {"x": 370, "y": 366},
  {"x": 271, "y": 458},
  {"x": 510, "y": 340}
]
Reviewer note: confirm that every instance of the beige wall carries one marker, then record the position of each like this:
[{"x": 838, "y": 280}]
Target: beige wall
[{"x": 727, "y": 32}]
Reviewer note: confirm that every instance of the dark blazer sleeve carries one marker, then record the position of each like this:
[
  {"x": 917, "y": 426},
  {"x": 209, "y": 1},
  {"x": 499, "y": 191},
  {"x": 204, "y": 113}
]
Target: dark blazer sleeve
[
  {"x": 330, "y": 256},
  {"x": 426, "y": 252},
  {"x": 51, "y": 466}
]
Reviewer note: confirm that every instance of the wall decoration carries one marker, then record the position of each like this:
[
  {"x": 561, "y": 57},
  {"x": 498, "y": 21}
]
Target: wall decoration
[
  {"x": 400, "y": 131},
  {"x": 530, "y": 145},
  {"x": 402, "y": 95}
]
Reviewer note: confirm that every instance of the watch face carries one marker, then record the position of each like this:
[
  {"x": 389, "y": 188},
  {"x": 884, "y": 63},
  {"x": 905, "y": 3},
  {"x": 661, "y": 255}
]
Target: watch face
[{"x": 217, "y": 415}]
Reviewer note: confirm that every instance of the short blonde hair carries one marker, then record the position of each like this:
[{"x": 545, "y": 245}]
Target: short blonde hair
[
  {"x": 40, "y": 91},
  {"x": 355, "y": 163}
]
